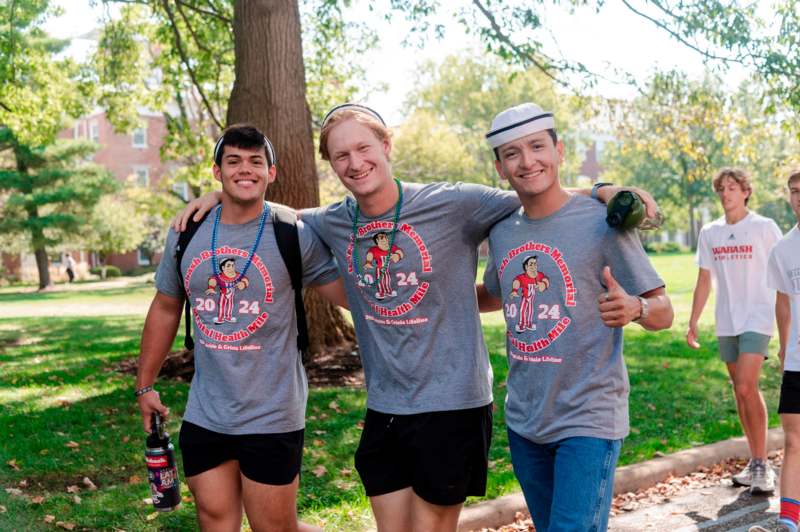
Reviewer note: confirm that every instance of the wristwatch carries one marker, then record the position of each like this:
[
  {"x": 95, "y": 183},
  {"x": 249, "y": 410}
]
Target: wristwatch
[
  {"x": 645, "y": 309},
  {"x": 597, "y": 186}
]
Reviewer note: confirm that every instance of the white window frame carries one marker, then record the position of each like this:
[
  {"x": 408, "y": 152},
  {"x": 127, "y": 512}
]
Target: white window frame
[
  {"x": 142, "y": 131},
  {"x": 94, "y": 132},
  {"x": 76, "y": 130},
  {"x": 181, "y": 189},
  {"x": 141, "y": 257},
  {"x": 142, "y": 171}
]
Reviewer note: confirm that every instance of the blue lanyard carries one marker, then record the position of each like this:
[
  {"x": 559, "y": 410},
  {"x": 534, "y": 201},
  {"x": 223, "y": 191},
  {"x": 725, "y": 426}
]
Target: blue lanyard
[{"x": 215, "y": 265}]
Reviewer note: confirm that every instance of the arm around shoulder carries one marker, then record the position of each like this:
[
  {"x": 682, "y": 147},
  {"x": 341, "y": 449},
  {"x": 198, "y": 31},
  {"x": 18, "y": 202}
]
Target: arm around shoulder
[{"x": 486, "y": 301}]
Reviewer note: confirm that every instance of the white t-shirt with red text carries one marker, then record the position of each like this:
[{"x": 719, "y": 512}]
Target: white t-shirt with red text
[
  {"x": 784, "y": 275},
  {"x": 737, "y": 255}
]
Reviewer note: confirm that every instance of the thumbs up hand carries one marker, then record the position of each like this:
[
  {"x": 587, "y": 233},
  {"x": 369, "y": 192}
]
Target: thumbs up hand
[{"x": 617, "y": 307}]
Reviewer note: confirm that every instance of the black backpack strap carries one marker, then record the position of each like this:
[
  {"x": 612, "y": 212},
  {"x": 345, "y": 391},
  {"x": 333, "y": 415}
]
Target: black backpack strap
[
  {"x": 183, "y": 242},
  {"x": 284, "y": 221}
]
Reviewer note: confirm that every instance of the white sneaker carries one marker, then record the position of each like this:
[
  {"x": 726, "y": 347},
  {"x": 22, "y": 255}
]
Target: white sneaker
[
  {"x": 745, "y": 476},
  {"x": 780, "y": 528},
  {"x": 763, "y": 478}
]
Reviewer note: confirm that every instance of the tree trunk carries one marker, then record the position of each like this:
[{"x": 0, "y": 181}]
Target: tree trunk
[
  {"x": 39, "y": 250},
  {"x": 270, "y": 92},
  {"x": 692, "y": 229},
  {"x": 43, "y": 266}
]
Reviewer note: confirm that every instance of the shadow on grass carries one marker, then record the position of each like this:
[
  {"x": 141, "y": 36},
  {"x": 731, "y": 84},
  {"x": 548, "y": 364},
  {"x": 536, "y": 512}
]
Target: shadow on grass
[
  {"x": 63, "y": 351},
  {"x": 59, "y": 295}
]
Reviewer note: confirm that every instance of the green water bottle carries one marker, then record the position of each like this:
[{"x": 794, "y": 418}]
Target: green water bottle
[{"x": 626, "y": 210}]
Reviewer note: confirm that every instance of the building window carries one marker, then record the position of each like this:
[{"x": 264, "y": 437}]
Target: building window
[
  {"x": 142, "y": 258},
  {"x": 182, "y": 190},
  {"x": 94, "y": 132},
  {"x": 142, "y": 174},
  {"x": 140, "y": 137},
  {"x": 76, "y": 131}
]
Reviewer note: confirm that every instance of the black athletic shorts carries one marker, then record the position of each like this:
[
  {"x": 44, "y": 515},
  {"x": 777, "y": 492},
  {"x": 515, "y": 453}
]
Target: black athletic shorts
[
  {"x": 442, "y": 456},
  {"x": 264, "y": 458},
  {"x": 790, "y": 393}
]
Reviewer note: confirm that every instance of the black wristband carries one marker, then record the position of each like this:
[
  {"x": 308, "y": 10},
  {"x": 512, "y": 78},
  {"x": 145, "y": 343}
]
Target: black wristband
[
  {"x": 596, "y": 187},
  {"x": 143, "y": 390}
]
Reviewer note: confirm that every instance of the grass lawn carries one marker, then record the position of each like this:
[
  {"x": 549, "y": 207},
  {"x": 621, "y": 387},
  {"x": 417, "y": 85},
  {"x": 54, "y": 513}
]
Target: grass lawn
[{"x": 66, "y": 414}]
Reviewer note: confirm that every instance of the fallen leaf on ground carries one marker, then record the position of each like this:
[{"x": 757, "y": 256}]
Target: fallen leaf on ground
[
  {"x": 13, "y": 465},
  {"x": 37, "y": 500},
  {"x": 134, "y": 479},
  {"x": 147, "y": 500},
  {"x": 89, "y": 484},
  {"x": 72, "y": 444},
  {"x": 151, "y": 516},
  {"x": 65, "y": 525},
  {"x": 2, "y": 509},
  {"x": 345, "y": 471},
  {"x": 14, "y": 491},
  {"x": 73, "y": 489},
  {"x": 23, "y": 483},
  {"x": 318, "y": 443},
  {"x": 49, "y": 518},
  {"x": 333, "y": 405},
  {"x": 126, "y": 439},
  {"x": 319, "y": 471},
  {"x": 77, "y": 499}
]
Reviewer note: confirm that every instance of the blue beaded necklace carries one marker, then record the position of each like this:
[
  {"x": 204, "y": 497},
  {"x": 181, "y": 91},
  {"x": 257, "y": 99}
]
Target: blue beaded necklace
[
  {"x": 215, "y": 265},
  {"x": 356, "y": 262}
]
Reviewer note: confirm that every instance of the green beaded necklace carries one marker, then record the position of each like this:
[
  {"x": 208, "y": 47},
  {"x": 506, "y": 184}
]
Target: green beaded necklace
[{"x": 356, "y": 262}]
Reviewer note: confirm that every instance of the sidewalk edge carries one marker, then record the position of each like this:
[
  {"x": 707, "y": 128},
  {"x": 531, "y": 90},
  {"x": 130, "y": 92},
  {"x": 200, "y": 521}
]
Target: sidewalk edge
[{"x": 501, "y": 511}]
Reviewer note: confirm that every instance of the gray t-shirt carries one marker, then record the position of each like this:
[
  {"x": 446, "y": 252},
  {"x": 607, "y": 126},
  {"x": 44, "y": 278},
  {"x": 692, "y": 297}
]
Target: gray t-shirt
[
  {"x": 566, "y": 373},
  {"x": 418, "y": 327},
  {"x": 248, "y": 378}
]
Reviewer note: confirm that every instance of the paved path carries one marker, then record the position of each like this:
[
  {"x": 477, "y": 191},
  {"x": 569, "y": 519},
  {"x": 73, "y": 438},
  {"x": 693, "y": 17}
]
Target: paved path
[{"x": 712, "y": 509}]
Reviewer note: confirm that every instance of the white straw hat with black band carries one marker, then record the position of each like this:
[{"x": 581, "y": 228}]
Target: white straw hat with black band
[{"x": 518, "y": 121}]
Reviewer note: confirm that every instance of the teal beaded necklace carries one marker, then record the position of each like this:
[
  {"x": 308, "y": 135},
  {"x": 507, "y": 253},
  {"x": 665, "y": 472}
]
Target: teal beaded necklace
[{"x": 356, "y": 262}]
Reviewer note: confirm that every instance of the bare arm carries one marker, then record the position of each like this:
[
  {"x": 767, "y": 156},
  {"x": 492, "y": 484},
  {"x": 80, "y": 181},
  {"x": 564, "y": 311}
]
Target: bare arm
[
  {"x": 604, "y": 194},
  {"x": 160, "y": 328},
  {"x": 199, "y": 207},
  {"x": 334, "y": 293},
  {"x": 701, "y": 291},
  {"x": 783, "y": 313},
  {"x": 659, "y": 314},
  {"x": 486, "y": 301}
]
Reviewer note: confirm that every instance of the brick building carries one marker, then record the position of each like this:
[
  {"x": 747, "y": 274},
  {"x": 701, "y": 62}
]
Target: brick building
[{"x": 123, "y": 154}]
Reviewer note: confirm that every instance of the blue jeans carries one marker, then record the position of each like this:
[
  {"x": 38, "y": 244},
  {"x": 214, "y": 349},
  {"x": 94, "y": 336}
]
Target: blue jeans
[{"x": 567, "y": 484}]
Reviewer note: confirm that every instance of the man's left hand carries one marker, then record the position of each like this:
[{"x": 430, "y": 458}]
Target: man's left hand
[{"x": 617, "y": 307}]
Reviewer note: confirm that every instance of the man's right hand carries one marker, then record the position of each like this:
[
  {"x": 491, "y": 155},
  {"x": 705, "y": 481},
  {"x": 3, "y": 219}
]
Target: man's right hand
[
  {"x": 691, "y": 336},
  {"x": 199, "y": 207},
  {"x": 149, "y": 403}
]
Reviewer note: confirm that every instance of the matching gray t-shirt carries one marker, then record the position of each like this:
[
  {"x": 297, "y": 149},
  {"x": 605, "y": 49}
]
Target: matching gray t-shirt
[
  {"x": 248, "y": 378},
  {"x": 417, "y": 324},
  {"x": 566, "y": 374}
]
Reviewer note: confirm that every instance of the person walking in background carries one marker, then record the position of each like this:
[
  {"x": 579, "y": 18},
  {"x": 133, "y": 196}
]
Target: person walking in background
[{"x": 733, "y": 251}]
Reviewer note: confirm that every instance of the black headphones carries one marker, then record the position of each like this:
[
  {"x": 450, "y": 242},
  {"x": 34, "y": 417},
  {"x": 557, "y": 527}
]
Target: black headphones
[
  {"x": 273, "y": 159},
  {"x": 359, "y": 107}
]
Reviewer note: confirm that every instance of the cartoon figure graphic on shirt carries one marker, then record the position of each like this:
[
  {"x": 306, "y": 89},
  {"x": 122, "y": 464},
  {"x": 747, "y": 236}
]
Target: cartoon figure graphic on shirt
[
  {"x": 525, "y": 286},
  {"x": 376, "y": 258},
  {"x": 226, "y": 290}
]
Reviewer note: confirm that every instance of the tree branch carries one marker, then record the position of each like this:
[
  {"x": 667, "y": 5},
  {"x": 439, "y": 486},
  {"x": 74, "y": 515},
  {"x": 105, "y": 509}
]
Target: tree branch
[
  {"x": 498, "y": 31},
  {"x": 185, "y": 60},
  {"x": 679, "y": 37},
  {"x": 210, "y": 12}
]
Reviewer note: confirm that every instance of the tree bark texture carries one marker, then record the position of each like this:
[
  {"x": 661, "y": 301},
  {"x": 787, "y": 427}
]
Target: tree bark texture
[{"x": 270, "y": 92}]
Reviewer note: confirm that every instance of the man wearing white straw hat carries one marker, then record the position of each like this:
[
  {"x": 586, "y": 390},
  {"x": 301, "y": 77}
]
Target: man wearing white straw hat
[{"x": 567, "y": 388}]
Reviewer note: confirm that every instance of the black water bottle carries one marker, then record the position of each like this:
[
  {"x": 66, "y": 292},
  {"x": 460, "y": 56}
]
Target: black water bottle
[{"x": 162, "y": 471}]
